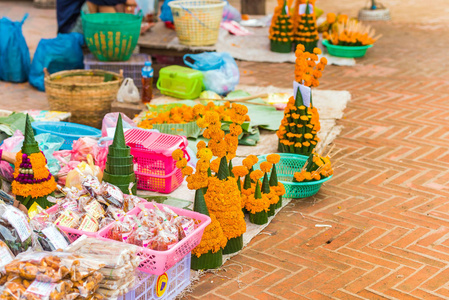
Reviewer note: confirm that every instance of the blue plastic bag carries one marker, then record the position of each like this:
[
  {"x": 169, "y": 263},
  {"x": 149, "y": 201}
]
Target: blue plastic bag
[
  {"x": 61, "y": 53},
  {"x": 166, "y": 14},
  {"x": 220, "y": 71},
  {"x": 14, "y": 53}
]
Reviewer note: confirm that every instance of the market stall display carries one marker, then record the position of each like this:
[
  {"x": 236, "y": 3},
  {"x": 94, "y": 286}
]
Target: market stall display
[{"x": 33, "y": 182}]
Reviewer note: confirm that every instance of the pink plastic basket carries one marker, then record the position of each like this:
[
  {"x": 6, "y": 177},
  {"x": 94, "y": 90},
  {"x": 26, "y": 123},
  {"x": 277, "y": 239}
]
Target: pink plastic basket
[
  {"x": 73, "y": 234},
  {"x": 158, "y": 262},
  {"x": 155, "y": 168}
]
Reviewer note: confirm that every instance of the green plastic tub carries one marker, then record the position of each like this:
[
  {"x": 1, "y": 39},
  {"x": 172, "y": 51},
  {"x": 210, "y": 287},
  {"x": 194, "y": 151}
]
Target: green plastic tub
[
  {"x": 346, "y": 51},
  {"x": 286, "y": 168},
  {"x": 111, "y": 37},
  {"x": 180, "y": 82}
]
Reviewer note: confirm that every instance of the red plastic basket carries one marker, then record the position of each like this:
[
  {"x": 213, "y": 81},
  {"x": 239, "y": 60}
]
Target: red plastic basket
[
  {"x": 158, "y": 262},
  {"x": 155, "y": 168},
  {"x": 73, "y": 234}
]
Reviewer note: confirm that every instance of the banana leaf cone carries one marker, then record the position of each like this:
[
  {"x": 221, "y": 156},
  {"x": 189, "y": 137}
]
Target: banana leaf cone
[
  {"x": 199, "y": 204},
  {"x": 230, "y": 169},
  {"x": 272, "y": 210},
  {"x": 233, "y": 245},
  {"x": 223, "y": 170},
  {"x": 30, "y": 145},
  {"x": 258, "y": 218},
  {"x": 281, "y": 47},
  {"x": 207, "y": 260},
  {"x": 279, "y": 204},
  {"x": 266, "y": 190}
]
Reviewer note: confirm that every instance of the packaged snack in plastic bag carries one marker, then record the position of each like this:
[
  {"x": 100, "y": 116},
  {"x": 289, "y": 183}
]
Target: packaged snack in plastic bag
[
  {"x": 49, "y": 236},
  {"x": 111, "y": 253},
  {"x": 163, "y": 241},
  {"x": 117, "y": 273},
  {"x": 68, "y": 218},
  {"x": 50, "y": 291},
  {"x": 141, "y": 237},
  {"x": 93, "y": 186},
  {"x": 43, "y": 266},
  {"x": 131, "y": 202},
  {"x": 112, "y": 194},
  {"x": 105, "y": 222},
  {"x": 118, "y": 284},
  {"x": 120, "y": 231},
  {"x": 94, "y": 209},
  {"x": 15, "y": 229},
  {"x": 88, "y": 285},
  {"x": 114, "y": 212},
  {"x": 89, "y": 223},
  {"x": 6, "y": 256},
  {"x": 185, "y": 226}
]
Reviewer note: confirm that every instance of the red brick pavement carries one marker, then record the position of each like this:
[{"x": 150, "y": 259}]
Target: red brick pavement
[{"x": 387, "y": 202}]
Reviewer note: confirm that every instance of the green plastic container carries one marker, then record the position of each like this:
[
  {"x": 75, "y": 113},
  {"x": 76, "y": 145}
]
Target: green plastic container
[
  {"x": 180, "y": 82},
  {"x": 111, "y": 37},
  {"x": 346, "y": 51},
  {"x": 286, "y": 168}
]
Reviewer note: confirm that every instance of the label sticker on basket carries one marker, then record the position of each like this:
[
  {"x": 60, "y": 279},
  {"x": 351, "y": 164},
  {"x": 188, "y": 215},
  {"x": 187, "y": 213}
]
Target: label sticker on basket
[
  {"x": 161, "y": 285},
  {"x": 41, "y": 288},
  {"x": 20, "y": 223},
  {"x": 55, "y": 237}
]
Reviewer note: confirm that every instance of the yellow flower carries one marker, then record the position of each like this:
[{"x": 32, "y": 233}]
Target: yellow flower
[
  {"x": 205, "y": 154},
  {"x": 181, "y": 163},
  {"x": 201, "y": 145},
  {"x": 256, "y": 175},
  {"x": 178, "y": 154},
  {"x": 240, "y": 171}
]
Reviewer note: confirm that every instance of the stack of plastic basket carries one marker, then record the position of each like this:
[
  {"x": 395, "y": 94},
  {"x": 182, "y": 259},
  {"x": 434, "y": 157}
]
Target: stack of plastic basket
[
  {"x": 119, "y": 169},
  {"x": 155, "y": 168}
]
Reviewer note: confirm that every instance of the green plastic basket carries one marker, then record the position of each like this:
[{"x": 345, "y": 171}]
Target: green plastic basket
[
  {"x": 286, "y": 168},
  {"x": 346, "y": 51},
  {"x": 111, "y": 37}
]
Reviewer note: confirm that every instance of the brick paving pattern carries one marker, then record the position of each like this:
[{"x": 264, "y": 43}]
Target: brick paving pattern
[{"x": 387, "y": 202}]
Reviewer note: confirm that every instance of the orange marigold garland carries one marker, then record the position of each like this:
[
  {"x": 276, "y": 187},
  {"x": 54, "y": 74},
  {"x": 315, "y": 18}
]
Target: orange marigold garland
[
  {"x": 32, "y": 182},
  {"x": 316, "y": 168}
]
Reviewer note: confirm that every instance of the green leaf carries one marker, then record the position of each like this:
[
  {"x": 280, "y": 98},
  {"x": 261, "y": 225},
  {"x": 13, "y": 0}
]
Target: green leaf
[{"x": 223, "y": 171}]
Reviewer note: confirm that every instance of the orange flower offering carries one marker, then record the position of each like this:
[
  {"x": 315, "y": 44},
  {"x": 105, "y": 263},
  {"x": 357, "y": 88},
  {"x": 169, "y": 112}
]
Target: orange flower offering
[
  {"x": 185, "y": 114},
  {"x": 305, "y": 29},
  {"x": 281, "y": 29},
  {"x": 316, "y": 168},
  {"x": 351, "y": 33}
]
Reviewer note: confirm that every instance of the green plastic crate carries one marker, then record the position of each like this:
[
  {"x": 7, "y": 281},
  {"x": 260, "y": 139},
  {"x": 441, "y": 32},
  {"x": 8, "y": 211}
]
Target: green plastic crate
[
  {"x": 111, "y": 37},
  {"x": 180, "y": 82},
  {"x": 346, "y": 51},
  {"x": 286, "y": 168}
]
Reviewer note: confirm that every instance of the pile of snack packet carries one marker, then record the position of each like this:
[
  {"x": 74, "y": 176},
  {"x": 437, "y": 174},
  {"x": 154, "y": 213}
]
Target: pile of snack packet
[
  {"x": 90, "y": 208},
  {"x": 88, "y": 269},
  {"x": 51, "y": 275},
  {"x": 156, "y": 229},
  {"x": 120, "y": 263}
]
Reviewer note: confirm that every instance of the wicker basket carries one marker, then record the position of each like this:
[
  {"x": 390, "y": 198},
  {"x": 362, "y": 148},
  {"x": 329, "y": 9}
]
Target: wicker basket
[
  {"x": 86, "y": 94},
  {"x": 197, "y": 22}
]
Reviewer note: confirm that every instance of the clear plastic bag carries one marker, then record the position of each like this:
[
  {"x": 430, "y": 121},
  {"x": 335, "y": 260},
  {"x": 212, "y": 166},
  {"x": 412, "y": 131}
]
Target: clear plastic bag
[
  {"x": 15, "y": 229},
  {"x": 221, "y": 73},
  {"x": 118, "y": 284},
  {"x": 110, "y": 123},
  {"x": 49, "y": 236}
]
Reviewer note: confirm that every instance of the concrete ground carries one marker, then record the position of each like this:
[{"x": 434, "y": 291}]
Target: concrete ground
[{"x": 387, "y": 202}]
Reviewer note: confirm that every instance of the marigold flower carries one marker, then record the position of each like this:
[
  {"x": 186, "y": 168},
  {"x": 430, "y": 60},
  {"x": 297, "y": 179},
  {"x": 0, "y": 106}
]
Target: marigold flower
[
  {"x": 273, "y": 158},
  {"x": 178, "y": 154},
  {"x": 205, "y": 154},
  {"x": 331, "y": 18},
  {"x": 181, "y": 163},
  {"x": 240, "y": 171},
  {"x": 200, "y": 145},
  {"x": 256, "y": 175},
  {"x": 215, "y": 165},
  {"x": 265, "y": 166},
  {"x": 187, "y": 171}
]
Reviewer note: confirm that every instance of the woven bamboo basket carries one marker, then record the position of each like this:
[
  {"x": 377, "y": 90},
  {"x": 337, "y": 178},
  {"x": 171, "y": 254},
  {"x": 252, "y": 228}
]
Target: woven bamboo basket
[{"x": 86, "y": 94}]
